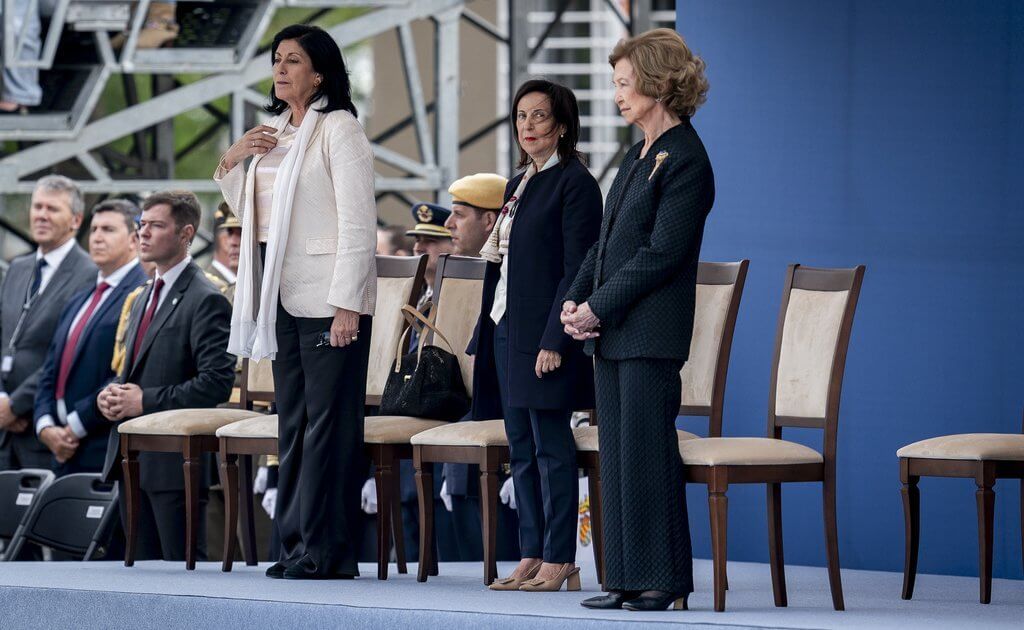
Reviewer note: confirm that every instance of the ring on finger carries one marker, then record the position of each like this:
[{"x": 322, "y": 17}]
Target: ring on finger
[{"x": 254, "y": 144}]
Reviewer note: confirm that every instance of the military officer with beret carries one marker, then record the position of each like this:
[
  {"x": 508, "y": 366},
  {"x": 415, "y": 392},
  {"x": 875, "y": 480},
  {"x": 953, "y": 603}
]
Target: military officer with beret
[{"x": 476, "y": 202}]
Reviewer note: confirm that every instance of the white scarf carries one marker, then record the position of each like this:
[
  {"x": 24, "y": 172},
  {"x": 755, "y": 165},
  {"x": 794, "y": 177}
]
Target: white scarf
[{"x": 253, "y": 324}]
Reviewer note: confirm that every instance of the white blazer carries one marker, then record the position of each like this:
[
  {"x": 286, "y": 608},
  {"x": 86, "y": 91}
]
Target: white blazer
[{"x": 329, "y": 259}]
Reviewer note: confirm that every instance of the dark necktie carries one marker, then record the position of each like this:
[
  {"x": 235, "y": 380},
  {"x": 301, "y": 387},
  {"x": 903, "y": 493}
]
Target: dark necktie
[
  {"x": 72, "y": 342},
  {"x": 147, "y": 319},
  {"x": 37, "y": 278}
]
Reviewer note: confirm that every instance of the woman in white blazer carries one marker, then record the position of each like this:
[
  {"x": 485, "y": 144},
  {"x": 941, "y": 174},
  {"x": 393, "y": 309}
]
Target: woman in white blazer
[{"x": 306, "y": 292}]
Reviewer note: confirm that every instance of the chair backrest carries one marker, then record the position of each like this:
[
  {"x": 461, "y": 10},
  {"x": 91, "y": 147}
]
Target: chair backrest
[
  {"x": 719, "y": 290},
  {"x": 67, "y": 514},
  {"x": 18, "y": 491},
  {"x": 815, "y": 321},
  {"x": 458, "y": 292},
  {"x": 399, "y": 283}
]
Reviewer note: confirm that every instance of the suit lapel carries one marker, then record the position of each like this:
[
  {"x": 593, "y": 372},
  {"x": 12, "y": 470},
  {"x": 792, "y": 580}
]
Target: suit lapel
[
  {"x": 117, "y": 293},
  {"x": 61, "y": 276},
  {"x": 163, "y": 312}
]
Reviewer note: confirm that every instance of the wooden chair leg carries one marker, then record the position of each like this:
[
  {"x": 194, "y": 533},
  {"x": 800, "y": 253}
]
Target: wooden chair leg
[
  {"x": 425, "y": 495},
  {"x": 132, "y": 499},
  {"x": 246, "y": 515},
  {"x": 718, "y": 509},
  {"x": 229, "y": 481},
  {"x": 382, "y": 478},
  {"x": 192, "y": 469},
  {"x": 986, "y": 499},
  {"x": 398, "y": 530},
  {"x": 911, "y": 527},
  {"x": 596, "y": 533},
  {"x": 775, "y": 554},
  {"x": 718, "y": 506},
  {"x": 489, "y": 515},
  {"x": 832, "y": 540}
]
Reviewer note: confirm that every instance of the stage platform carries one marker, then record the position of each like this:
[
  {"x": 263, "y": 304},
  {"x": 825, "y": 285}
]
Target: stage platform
[{"x": 163, "y": 595}]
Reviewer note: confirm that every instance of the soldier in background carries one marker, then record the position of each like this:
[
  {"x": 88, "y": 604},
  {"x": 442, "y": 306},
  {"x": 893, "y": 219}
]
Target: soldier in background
[{"x": 227, "y": 247}]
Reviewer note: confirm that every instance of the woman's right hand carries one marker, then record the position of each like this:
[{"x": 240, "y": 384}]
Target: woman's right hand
[{"x": 256, "y": 141}]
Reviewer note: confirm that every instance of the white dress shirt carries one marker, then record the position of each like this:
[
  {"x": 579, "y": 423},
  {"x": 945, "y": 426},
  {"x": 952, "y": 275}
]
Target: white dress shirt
[
  {"x": 169, "y": 279},
  {"x": 72, "y": 419},
  {"x": 53, "y": 260}
]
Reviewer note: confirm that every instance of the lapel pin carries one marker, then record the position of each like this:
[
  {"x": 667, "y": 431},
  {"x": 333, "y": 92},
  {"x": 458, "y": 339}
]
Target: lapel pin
[
  {"x": 658, "y": 159},
  {"x": 174, "y": 302}
]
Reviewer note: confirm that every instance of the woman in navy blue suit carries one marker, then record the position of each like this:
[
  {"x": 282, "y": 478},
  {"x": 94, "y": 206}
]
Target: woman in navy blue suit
[{"x": 527, "y": 370}]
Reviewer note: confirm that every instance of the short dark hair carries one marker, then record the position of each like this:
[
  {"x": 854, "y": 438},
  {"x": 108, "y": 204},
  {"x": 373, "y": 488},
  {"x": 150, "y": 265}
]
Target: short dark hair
[
  {"x": 185, "y": 208},
  {"x": 128, "y": 211},
  {"x": 397, "y": 240},
  {"x": 564, "y": 109},
  {"x": 326, "y": 57}
]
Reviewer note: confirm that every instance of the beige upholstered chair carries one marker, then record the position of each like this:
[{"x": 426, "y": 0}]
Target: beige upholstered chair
[
  {"x": 191, "y": 432},
  {"x": 807, "y": 376},
  {"x": 983, "y": 457},
  {"x": 719, "y": 290},
  {"x": 460, "y": 287},
  {"x": 399, "y": 282},
  {"x": 238, "y": 443}
]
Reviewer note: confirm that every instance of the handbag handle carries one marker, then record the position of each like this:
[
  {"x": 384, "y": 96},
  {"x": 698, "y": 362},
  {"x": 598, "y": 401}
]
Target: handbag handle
[{"x": 421, "y": 323}]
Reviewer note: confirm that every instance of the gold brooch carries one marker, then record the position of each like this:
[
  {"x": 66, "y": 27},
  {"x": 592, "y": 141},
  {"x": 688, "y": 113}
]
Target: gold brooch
[{"x": 658, "y": 159}]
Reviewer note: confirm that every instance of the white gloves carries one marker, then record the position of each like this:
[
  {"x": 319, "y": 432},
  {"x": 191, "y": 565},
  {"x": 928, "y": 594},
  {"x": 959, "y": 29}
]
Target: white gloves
[
  {"x": 259, "y": 486},
  {"x": 446, "y": 497},
  {"x": 508, "y": 493},
  {"x": 368, "y": 497},
  {"x": 269, "y": 501}
]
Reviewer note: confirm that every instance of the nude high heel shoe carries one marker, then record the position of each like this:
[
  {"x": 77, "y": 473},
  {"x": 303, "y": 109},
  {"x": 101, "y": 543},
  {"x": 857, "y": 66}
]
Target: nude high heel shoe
[
  {"x": 569, "y": 574},
  {"x": 513, "y": 583}
]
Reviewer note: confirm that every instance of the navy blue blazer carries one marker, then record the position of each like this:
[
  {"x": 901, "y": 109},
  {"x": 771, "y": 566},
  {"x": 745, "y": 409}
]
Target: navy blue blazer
[
  {"x": 90, "y": 368},
  {"x": 556, "y": 223}
]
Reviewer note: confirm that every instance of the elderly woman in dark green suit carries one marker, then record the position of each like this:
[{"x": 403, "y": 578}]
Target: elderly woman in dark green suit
[{"x": 633, "y": 303}]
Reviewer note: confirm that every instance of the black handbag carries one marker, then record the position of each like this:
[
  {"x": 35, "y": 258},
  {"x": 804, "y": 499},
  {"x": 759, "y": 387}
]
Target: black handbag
[{"x": 427, "y": 382}]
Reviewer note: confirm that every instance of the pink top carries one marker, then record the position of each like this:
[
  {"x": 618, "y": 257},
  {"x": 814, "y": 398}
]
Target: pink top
[{"x": 266, "y": 174}]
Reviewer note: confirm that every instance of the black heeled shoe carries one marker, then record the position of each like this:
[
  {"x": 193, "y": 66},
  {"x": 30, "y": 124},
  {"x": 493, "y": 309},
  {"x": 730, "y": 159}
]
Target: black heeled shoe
[
  {"x": 658, "y": 600},
  {"x": 306, "y": 569},
  {"x": 613, "y": 600},
  {"x": 276, "y": 570}
]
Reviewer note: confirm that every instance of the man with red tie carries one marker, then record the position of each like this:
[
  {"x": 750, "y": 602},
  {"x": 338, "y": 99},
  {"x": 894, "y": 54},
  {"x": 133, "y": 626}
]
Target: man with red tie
[
  {"x": 176, "y": 358},
  {"x": 77, "y": 366}
]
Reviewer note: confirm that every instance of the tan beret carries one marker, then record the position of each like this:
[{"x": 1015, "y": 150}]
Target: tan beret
[{"x": 483, "y": 190}]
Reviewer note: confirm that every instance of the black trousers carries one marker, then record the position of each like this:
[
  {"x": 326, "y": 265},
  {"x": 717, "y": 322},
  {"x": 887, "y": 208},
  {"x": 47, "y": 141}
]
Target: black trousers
[
  {"x": 24, "y": 450},
  {"x": 320, "y": 392},
  {"x": 646, "y": 531},
  {"x": 542, "y": 455},
  {"x": 161, "y": 531}
]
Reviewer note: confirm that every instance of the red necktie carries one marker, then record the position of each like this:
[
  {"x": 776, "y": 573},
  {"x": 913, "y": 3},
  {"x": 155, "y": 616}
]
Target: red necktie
[
  {"x": 72, "y": 342},
  {"x": 147, "y": 319}
]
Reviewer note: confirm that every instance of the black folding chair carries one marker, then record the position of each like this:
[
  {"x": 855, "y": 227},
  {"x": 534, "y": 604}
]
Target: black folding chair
[
  {"x": 18, "y": 490},
  {"x": 75, "y": 515}
]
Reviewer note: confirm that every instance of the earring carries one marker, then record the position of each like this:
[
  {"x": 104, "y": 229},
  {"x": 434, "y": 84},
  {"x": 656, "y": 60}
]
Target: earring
[{"x": 657, "y": 100}]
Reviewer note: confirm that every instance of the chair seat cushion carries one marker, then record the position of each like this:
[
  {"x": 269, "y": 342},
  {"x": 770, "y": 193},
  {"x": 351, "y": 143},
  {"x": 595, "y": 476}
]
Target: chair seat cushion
[
  {"x": 746, "y": 452},
  {"x": 184, "y": 421},
  {"x": 968, "y": 446},
  {"x": 258, "y": 427},
  {"x": 586, "y": 437},
  {"x": 478, "y": 433},
  {"x": 396, "y": 429}
]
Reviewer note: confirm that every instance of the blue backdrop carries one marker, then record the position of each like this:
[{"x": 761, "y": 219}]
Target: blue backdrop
[{"x": 889, "y": 134}]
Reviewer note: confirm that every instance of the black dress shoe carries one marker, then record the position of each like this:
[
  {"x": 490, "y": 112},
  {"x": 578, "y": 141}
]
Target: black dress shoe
[
  {"x": 306, "y": 569},
  {"x": 613, "y": 600},
  {"x": 657, "y": 600},
  {"x": 277, "y": 570}
]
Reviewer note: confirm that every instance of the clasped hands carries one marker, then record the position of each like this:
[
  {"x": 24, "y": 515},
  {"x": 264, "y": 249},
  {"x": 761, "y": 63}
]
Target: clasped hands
[
  {"x": 61, "y": 441},
  {"x": 119, "y": 401},
  {"x": 579, "y": 321}
]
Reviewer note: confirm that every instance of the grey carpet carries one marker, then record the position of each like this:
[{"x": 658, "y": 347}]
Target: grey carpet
[{"x": 164, "y": 595}]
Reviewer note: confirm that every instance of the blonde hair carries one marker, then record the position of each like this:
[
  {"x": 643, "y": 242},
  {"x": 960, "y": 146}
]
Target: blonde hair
[{"x": 665, "y": 68}]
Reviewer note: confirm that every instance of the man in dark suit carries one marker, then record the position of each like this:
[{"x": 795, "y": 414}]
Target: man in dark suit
[
  {"x": 34, "y": 292},
  {"x": 176, "y": 359},
  {"x": 77, "y": 366}
]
